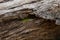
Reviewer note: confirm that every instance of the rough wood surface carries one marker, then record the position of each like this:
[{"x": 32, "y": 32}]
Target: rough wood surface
[
  {"x": 29, "y": 20},
  {"x": 31, "y": 29},
  {"x": 48, "y": 9}
]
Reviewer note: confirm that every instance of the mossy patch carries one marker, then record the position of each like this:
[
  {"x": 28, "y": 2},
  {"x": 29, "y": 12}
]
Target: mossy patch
[{"x": 26, "y": 20}]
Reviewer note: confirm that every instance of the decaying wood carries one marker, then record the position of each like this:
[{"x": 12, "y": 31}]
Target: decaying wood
[
  {"x": 27, "y": 20},
  {"x": 48, "y": 9},
  {"x": 35, "y": 29}
]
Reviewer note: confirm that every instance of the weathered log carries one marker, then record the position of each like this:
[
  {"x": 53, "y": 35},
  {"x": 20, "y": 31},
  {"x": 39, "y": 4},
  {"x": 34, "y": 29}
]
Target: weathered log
[
  {"x": 31, "y": 28},
  {"x": 48, "y": 9}
]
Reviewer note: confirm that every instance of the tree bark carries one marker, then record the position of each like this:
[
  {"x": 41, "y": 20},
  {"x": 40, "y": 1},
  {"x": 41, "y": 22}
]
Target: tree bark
[
  {"x": 47, "y": 9},
  {"x": 29, "y": 19}
]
